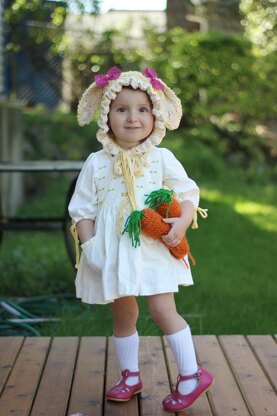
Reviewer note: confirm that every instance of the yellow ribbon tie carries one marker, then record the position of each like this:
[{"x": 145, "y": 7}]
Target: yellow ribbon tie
[
  {"x": 74, "y": 233},
  {"x": 137, "y": 161},
  {"x": 129, "y": 169},
  {"x": 203, "y": 213},
  {"x": 129, "y": 178}
]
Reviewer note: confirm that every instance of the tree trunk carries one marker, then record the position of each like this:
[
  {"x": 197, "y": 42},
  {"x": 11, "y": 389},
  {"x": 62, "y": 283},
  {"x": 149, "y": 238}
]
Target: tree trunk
[
  {"x": 177, "y": 14},
  {"x": 223, "y": 15},
  {"x": 211, "y": 15}
]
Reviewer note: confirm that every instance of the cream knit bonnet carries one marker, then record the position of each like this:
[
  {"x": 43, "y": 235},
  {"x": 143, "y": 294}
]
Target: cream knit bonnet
[{"x": 167, "y": 107}]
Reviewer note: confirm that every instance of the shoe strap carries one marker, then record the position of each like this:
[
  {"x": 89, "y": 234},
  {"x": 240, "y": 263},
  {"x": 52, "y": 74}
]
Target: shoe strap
[
  {"x": 198, "y": 374},
  {"x": 126, "y": 373}
]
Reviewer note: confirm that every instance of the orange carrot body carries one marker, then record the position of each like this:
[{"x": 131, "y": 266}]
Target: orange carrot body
[
  {"x": 174, "y": 211},
  {"x": 154, "y": 227}
]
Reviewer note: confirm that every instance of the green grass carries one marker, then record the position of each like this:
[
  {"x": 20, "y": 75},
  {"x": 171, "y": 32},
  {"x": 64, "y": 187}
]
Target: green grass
[
  {"x": 235, "y": 275},
  {"x": 235, "y": 249}
]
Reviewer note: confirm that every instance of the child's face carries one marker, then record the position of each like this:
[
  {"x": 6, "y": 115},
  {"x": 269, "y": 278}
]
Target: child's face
[{"x": 130, "y": 117}]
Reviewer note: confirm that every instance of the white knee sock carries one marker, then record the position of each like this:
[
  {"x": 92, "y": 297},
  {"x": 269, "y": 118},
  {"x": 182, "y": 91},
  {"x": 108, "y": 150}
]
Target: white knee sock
[
  {"x": 182, "y": 347},
  {"x": 127, "y": 354}
]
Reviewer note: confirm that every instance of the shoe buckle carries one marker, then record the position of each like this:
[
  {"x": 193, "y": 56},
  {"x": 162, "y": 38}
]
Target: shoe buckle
[{"x": 198, "y": 374}]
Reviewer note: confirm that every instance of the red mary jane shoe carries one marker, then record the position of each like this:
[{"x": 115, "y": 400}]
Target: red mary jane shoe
[
  {"x": 122, "y": 392},
  {"x": 176, "y": 402}
]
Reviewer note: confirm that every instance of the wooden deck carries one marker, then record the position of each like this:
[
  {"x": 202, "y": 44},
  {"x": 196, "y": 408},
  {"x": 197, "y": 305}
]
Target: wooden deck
[{"x": 40, "y": 376}]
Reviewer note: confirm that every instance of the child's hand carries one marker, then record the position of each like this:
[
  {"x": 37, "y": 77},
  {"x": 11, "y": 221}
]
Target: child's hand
[
  {"x": 93, "y": 260},
  {"x": 177, "y": 231}
]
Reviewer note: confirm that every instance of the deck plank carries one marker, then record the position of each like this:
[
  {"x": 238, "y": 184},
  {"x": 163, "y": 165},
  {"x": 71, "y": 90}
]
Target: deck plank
[
  {"x": 10, "y": 346},
  {"x": 112, "y": 375},
  {"x": 225, "y": 396},
  {"x": 265, "y": 349},
  {"x": 53, "y": 393},
  {"x": 21, "y": 386},
  {"x": 255, "y": 387},
  {"x": 88, "y": 384},
  {"x": 201, "y": 407},
  {"x": 154, "y": 373},
  {"x": 69, "y": 375}
]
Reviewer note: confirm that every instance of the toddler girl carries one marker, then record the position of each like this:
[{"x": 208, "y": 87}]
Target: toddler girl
[{"x": 135, "y": 109}]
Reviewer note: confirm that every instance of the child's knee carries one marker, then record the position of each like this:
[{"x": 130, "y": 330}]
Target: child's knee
[
  {"x": 125, "y": 312},
  {"x": 159, "y": 310},
  {"x": 130, "y": 315}
]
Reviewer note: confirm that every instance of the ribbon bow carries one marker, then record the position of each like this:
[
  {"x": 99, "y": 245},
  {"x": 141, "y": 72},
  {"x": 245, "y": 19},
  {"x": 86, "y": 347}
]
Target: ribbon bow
[
  {"x": 151, "y": 73},
  {"x": 203, "y": 213},
  {"x": 102, "y": 80}
]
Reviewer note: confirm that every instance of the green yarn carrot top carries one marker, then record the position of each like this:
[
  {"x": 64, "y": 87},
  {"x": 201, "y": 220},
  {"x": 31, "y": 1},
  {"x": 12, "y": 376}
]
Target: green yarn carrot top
[
  {"x": 161, "y": 196},
  {"x": 142, "y": 220},
  {"x": 150, "y": 221},
  {"x": 133, "y": 227}
]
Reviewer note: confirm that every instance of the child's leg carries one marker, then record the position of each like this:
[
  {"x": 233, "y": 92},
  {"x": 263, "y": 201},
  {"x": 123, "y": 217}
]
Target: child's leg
[
  {"x": 126, "y": 339},
  {"x": 163, "y": 311},
  {"x": 125, "y": 315}
]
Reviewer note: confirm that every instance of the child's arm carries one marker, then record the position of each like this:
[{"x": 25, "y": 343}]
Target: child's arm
[
  {"x": 179, "y": 225},
  {"x": 85, "y": 229}
]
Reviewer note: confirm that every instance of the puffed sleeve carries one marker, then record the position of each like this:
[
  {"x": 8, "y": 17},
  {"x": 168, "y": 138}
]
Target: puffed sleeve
[
  {"x": 175, "y": 178},
  {"x": 83, "y": 204}
]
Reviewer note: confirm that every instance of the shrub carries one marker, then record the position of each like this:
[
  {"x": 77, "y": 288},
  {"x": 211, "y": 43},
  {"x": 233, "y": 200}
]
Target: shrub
[{"x": 57, "y": 136}]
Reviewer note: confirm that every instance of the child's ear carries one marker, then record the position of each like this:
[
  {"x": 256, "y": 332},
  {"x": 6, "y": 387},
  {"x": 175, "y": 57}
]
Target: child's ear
[
  {"x": 172, "y": 109},
  {"x": 88, "y": 104}
]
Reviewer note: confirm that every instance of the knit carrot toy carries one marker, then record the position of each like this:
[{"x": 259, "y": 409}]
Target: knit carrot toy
[{"x": 150, "y": 221}]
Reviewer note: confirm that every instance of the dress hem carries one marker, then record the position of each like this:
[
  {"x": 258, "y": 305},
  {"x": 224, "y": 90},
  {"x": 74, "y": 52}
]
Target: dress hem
[{"x": 105, "y": 302}]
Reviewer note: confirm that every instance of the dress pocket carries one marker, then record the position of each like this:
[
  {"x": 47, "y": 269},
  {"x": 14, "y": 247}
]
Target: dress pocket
[{"x": 94, "y": 253}]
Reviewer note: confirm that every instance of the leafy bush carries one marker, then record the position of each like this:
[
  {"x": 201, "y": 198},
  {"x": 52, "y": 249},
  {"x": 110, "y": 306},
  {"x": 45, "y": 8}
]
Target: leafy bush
[{"x": 57, "y": 136}]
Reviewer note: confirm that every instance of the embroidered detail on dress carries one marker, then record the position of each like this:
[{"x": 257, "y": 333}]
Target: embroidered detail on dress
[{"x": 121, "y": 213}]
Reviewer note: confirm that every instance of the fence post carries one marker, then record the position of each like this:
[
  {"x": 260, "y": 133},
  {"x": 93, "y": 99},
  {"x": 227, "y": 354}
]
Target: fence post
[
  {"x": 11, "y": 150},
  {"x": 1, "y": 49}
]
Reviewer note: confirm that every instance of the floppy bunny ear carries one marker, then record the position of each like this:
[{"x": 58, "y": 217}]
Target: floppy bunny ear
[
  {"x": 89, "y": 104},
  {"x": 172, "y": 109}
]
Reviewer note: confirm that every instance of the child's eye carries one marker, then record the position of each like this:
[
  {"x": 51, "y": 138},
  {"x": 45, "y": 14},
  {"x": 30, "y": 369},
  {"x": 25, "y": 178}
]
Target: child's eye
[
  {"x": 143, "y": 109},
  {"x": 121, "y": 109}
]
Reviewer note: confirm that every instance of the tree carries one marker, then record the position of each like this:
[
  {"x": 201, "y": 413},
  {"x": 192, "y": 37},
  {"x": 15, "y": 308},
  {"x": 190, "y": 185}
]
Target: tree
[
  {"x": 35, "y": 37},
  {"x": 260, "y": 22}
]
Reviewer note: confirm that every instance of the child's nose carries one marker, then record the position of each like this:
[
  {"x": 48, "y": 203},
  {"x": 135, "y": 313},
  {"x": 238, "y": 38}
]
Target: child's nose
[{"x": 132, "y": 115}]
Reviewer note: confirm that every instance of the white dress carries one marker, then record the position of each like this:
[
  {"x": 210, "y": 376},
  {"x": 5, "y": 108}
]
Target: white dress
[{"x": 121, "y": 269}]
